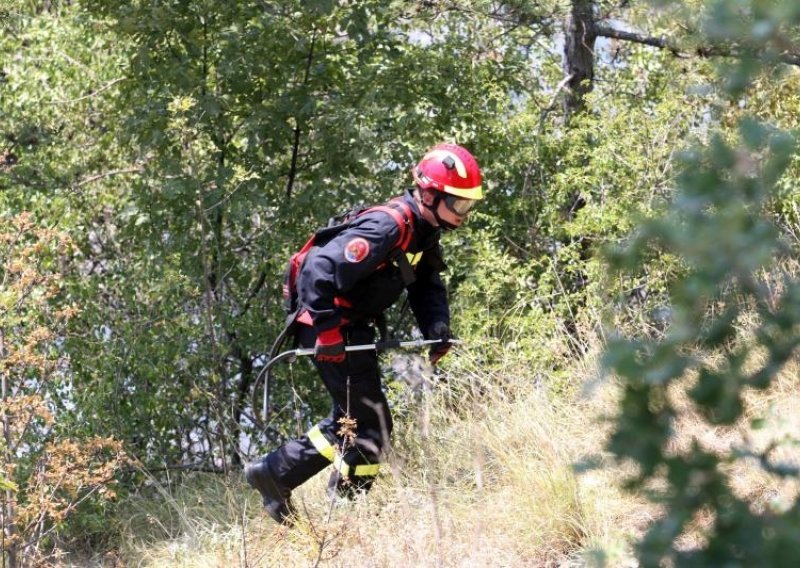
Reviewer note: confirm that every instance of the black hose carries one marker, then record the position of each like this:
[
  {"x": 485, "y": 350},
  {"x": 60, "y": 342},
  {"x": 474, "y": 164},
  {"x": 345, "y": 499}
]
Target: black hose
[{"x": 266, "y": 375}]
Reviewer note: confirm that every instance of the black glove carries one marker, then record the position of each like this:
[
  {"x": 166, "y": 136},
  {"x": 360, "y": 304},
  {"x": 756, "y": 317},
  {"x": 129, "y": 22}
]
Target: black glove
[{"x": 441, "y": 331}]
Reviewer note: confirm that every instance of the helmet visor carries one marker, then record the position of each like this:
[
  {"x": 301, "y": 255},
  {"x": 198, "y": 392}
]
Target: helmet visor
[{"x": 458, "y": 205}]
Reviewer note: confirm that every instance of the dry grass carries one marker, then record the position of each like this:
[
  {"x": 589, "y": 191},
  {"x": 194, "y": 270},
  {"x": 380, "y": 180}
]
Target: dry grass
[
  {"x": 481, "y": 475},
  {"x": 778, "y": 409}
]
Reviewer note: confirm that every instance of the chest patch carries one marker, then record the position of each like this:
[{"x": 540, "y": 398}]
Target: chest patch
[{"x": 356, "y": 250}]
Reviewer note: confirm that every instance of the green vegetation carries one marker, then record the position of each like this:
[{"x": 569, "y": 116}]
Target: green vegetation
[{"x": 628, "y": 294}]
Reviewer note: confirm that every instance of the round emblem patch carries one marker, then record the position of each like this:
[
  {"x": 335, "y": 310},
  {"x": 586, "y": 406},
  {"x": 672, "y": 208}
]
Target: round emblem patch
[{"x": 356, "y": 250}]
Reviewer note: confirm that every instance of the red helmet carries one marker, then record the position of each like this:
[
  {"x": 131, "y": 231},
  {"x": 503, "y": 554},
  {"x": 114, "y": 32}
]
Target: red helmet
[{"x": 449, "y": 168}]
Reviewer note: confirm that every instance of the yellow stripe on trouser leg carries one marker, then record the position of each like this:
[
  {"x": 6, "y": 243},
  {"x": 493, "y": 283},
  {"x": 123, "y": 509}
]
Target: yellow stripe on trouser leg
[
  {"x": 364, "y": 470},
  {"x": 321, "y": 443},
  {"x": 367, "y": 469}
]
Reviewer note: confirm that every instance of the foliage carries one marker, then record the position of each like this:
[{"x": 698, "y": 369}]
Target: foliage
[
  {"x": 718, "y": 225},
  {"x": 45, "y": 476},
  {"x": 251, "y": 124},
  {"x": 184, "y": 149}
]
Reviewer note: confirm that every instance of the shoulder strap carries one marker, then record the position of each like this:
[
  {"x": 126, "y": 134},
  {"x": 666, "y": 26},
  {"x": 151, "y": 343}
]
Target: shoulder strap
[
  {"x": 406, "y": 270},
  {"x": 400, "y": 211}
]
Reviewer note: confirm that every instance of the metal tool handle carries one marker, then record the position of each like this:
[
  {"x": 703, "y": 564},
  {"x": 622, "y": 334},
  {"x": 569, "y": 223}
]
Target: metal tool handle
[{"x": 383, "y": 346}]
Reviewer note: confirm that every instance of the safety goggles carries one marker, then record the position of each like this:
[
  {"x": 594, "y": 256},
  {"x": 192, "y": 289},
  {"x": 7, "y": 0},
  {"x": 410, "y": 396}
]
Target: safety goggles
[{"x": 458, "y": 205}]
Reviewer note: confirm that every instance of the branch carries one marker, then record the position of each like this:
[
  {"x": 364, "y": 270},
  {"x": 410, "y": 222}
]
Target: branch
[
  {"x": 297, "y": 132},
  {"x": 553, "y": 101},
  {"x": 256, "y": 289},
  {"x": 90, "y": 95},
  {"x": 90, "y": 179},
  {"x": 604, "y": 30},
  {"x": 660, "y": 42}
]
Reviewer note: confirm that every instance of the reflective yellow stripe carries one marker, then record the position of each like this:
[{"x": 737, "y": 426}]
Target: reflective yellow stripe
[
  {"x": 369, "y": 469},
  {"x": 413, "y": 259},
  {"x": 469, "y": 193},
  {"x": 321, "y": 443},
  {"x": 328, "y": 450}
]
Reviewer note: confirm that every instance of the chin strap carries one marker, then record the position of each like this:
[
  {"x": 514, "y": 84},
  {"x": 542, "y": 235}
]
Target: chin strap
[{"x": 434, "y": 208}]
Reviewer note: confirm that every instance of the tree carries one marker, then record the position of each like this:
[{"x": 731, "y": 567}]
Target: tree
[{"x": 720, "y": 226}]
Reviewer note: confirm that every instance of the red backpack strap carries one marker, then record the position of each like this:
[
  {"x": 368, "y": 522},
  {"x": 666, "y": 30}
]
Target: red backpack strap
[
  {"x": 407, "y": 231},
  {"x": 400, "y": 211}
]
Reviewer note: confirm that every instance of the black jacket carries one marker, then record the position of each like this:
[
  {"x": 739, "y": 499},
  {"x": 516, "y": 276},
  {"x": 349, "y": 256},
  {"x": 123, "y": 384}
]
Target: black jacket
[{"x": 354, "y": 277}]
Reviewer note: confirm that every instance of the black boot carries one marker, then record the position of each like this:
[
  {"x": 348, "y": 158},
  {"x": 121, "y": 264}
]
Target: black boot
[{"x": 276, "y": 498}]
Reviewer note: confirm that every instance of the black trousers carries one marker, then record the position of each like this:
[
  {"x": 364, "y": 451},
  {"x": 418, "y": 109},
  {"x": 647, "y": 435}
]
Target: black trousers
[{"x": 353, "y": 436}]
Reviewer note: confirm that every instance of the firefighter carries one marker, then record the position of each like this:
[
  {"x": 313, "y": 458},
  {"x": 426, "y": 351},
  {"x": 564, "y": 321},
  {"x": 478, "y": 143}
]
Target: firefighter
[{"x": 343, "y": 288}]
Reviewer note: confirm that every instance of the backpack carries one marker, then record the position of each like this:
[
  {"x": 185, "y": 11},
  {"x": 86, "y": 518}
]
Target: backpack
[{"x": 397, "y": 208}]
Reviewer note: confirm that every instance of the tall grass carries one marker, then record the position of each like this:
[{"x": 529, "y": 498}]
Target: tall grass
[{"x": 481, "y": 474}]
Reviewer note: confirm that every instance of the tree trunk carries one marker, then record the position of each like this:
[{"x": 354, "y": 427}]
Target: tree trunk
[{"x": 579, "y": 39}]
